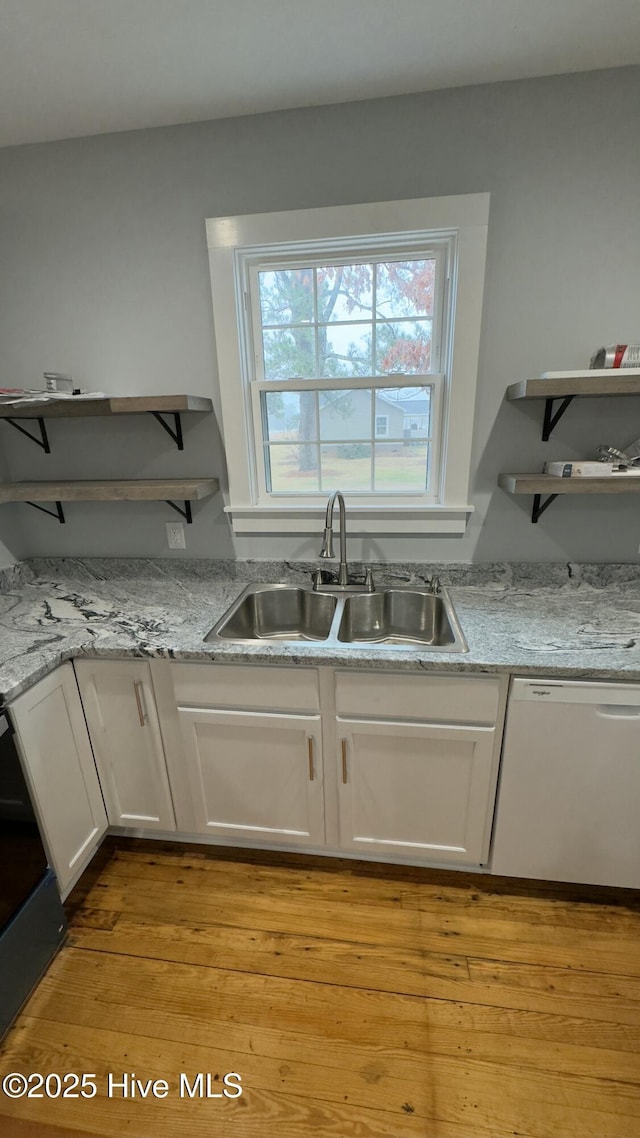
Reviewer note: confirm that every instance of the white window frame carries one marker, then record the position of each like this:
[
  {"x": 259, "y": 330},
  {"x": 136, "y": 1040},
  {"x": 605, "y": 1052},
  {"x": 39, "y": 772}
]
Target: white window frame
[
  {"x": 249, "y": 264},
  {"x": 234, "y": 241}
]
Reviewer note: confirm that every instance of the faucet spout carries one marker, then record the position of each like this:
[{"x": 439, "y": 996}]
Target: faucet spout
[{"x": 327, "y": 542}]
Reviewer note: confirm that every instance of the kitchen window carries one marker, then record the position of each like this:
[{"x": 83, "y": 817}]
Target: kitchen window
[{"x": 345, "y": 362}]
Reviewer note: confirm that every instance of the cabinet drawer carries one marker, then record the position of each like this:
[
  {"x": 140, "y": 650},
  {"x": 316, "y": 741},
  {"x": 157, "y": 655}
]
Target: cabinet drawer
[
  {"x": 444, "y": 699},
  {"x": 258, "y": 688}
]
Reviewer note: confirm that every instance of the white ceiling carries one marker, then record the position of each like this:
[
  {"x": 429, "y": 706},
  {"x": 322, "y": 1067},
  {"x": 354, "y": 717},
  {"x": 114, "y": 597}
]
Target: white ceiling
[{"x": 76, "y": 67}]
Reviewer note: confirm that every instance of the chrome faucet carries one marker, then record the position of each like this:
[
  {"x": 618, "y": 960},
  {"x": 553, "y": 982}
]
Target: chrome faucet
[
  {"x": 327, "y": 541},
  {"x": 342, "y": 580}
]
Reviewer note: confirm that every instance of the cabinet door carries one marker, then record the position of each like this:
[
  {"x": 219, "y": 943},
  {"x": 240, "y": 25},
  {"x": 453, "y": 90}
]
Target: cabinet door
[
  {"x": 61, "y": 773},
  {"x": 123, "y": 723},
  {"x": 254, "y": 775},
  {"x": 417, "y": 790}
]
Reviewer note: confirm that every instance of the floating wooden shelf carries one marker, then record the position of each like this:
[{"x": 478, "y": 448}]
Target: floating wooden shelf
[
  {"x": 116, "y": 490},
  {"x": 551, "y": 485},
  {"x": 559, "y": 388},
  {"x": 76, "y": 406},
  {"x": 185, "y": 490},
  {"x": 567, "y": 390}
]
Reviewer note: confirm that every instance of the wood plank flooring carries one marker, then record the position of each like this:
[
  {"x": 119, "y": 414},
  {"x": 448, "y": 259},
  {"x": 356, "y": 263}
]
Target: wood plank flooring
[{"x": 354, "y": 1000}]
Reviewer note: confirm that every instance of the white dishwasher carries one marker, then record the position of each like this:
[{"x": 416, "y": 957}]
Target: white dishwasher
[{"x": 569, "y": 798}]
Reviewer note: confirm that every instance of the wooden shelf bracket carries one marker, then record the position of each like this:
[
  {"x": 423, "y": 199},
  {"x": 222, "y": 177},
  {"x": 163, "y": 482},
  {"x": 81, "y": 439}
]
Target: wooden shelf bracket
[
  {"x": 43, "y": 441},
  {"x": 175, "y": 431},
  {"x": 58, "y": 513}
]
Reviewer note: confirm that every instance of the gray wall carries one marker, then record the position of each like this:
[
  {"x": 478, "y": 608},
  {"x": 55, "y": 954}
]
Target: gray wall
[{"x": 104, "y": 274}]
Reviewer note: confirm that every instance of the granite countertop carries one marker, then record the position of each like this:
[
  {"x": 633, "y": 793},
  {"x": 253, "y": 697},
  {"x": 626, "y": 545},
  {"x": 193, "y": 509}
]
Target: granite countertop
[{"x": 554, "y": 620}]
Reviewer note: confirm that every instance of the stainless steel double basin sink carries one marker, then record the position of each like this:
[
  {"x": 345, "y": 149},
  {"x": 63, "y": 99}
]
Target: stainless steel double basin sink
[{"x": 393, "y": 617}]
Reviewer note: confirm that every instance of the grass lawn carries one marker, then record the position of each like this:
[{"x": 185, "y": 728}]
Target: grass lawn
[{"x": 398, "y": 469}]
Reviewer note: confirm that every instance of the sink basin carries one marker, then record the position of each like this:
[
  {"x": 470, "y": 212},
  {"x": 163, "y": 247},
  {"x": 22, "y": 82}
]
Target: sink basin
[
  {"x": 389, "y": 618},
  {"x": 277, "y": 612},
  {"x": 401, "y": 616}
]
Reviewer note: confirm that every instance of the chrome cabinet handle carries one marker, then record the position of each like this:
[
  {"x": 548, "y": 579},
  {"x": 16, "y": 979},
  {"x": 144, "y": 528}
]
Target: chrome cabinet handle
[
  {"x": 310, "y": 749},
  {"x": 137, "y": 687},
  {"x": 344, "y": 761}
]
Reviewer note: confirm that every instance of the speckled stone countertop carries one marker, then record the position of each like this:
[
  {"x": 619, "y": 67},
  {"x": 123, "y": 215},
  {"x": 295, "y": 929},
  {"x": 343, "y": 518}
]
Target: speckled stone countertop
[{"x": 552, "y": 620}]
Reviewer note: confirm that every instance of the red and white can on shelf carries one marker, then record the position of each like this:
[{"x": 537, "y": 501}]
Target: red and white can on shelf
[{"x": 617, "y": 356}]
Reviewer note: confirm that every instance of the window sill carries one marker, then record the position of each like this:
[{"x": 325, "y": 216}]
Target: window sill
[{"x": 445, "y": 521}]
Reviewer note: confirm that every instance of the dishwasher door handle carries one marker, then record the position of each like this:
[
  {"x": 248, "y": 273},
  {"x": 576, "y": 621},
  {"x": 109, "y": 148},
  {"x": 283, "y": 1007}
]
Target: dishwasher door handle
[{"x": 617, "y": 711}]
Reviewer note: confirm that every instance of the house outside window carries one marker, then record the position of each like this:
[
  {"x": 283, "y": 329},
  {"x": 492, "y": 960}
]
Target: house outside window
[{"x": 336, "y": 355}]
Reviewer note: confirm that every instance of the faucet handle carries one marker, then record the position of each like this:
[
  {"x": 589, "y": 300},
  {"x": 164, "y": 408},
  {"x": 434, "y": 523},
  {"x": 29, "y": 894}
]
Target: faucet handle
[
  {"x": 369, "y": 583},
  {"x": 435, "y": 585},
  {"x": 321, "y": 577}
]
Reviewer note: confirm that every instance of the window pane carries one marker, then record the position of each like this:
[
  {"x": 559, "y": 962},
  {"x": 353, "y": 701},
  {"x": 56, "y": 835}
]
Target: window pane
[
  {"x": 409, "y": 411},
  {"x": 346, "y": 466},
  {"x": 401, "y": 468},
  {"x": 286, "y": 296},
  {"x": 292, "y": 469},
  {"x": 345, "y": 349},
  {"x": 404, "y": 348},
  {"x": 290, "y": 416},
  {"x": 405, "y": 288},
  {"x": 344, "y": 292},
  {"x": 289, "y": 353},
  {"x": 345, "y": 415}
]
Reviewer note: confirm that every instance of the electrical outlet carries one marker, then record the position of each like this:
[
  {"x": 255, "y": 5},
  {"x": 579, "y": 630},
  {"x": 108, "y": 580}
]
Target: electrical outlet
[{"x": 175, "y": 535}]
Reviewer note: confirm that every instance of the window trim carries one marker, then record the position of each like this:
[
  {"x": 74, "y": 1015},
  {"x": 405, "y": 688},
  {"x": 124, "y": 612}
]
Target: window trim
[{"x": 464, "y": 217}]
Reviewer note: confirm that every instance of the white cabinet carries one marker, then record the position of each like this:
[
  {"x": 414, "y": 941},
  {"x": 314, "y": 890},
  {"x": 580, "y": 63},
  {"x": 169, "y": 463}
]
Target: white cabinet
[
  {"x": 569, "y": 801},
  {"x": 254, "y": 775},
  {"x": 251, "y": 752},
  {"x": 121, "y": 714},
  {"x": 417, "y": 762},
  {"x": 416, "y": 790},
  {"x": 410, "y": 760},
  {"x": 408, "y": 772},
  {"x": 59, "y": 767}
]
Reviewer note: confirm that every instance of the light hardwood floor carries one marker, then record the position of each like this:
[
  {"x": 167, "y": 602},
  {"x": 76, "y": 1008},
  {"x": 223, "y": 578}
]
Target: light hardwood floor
[{"x": 355, "y": 1001}]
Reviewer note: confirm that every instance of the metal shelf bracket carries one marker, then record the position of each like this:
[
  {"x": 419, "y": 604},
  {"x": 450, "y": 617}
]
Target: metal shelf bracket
[
  {"x": 538, "y": 510},
  {"x": 43, "y": 441},
  {"x": 175, "y": 431},
  {"x": 551, "y": 419},
  {"x": 184, "y": 513},
  {"x": 58, "y": 513}
]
